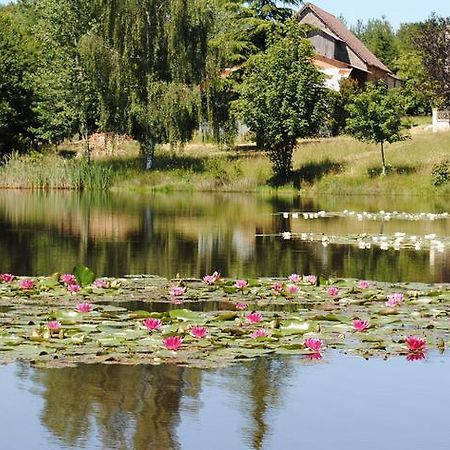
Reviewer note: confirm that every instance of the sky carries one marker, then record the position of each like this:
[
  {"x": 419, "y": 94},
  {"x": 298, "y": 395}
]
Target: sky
[{"x": 396, "y": 11}]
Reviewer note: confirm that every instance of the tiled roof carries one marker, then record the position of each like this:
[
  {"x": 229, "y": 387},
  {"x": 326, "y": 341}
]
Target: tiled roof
[{"x": 337, "y": 27}]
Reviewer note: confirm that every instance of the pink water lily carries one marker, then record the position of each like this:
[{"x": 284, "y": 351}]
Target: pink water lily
[
  {"x": 314, "y": 344},
  {"x": 363, "y": 284},
  {"x": 277, "y": 287},
  {"x": 292, "y": 288},
  {"x": 294, "y": 278},
  {"x": 84, "y": 307},
  {"x": 394, "y": 299},
  {"x": 241, "y": 284},
  {"x": 360, "y": 325},
  {"x": 259, "y": 333},
  {"x": 101, "y": 283},
  {"x": 27, "y": 283},
  {"x": 74, "y": 288},
  {"x": 311, "y": 279},
  {"x": 333, "y": 291},
  {"x": 198, "y": 332},
  {"x": 6, "y": 277},
  {"x": 211, "y": 279},
  {"x": 254, "y": 317},
  {"x": 177, "y": 291},
  {"x": 241, "y": 306},
  {"x": 416, "y": 343},
  {"x": 54, "y": 325},
  {"x": 68, "y": 279},
  {"x": 152, "y": 324},
  {"x": 173, "y": 342}
]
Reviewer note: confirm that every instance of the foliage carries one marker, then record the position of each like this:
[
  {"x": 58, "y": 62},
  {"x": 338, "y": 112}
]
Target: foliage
[
  {"x": 379, "y": 37},
  {"x": 17, "y": 53},
  {"x": 415, "y": 94},
  {"x": 283, "y": 96},
  {"x": 375, "y": 116},
  {"x": 433, "y": 43},
  {"x": 440, "y": 173}
]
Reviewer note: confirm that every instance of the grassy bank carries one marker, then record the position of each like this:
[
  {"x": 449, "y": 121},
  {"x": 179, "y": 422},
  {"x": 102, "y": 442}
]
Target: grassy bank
[{"x": 328, "y": 166}]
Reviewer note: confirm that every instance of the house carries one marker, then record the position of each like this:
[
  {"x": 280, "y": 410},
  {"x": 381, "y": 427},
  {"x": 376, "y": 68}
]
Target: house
[{"x": 340, "y": 54}]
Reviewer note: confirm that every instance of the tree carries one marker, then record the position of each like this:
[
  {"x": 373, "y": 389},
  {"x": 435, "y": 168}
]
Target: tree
[
  {"x": 17, "y": 61},
  {"x": 375, "y": 116},
  {"x": 433, "y": 43},
  {"x": 415, "y": 93},
  {"x": 379, "y": 37},
  {"x": 283, "y": 96}
]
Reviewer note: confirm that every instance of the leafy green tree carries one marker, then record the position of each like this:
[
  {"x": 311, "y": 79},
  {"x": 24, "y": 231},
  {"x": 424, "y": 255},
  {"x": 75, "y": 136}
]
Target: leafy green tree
[
  {"x": 375, "y": 116},
  {"x": 433, "y": 43},
  {"x": 17, "y": 61},
  {"x": 379, "y": 37},
  {"x": 415, "y": 92},
  {"x": 283, "y": 96}
]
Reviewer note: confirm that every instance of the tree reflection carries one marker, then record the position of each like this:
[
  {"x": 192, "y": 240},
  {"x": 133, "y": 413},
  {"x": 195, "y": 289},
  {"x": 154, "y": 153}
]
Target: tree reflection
[{"x": 127, "y": 407}]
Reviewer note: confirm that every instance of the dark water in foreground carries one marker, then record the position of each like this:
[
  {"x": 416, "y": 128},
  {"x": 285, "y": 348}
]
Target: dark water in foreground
[
  {"x": 339, "y": 403},
  {"x": 193, "y": 234}
]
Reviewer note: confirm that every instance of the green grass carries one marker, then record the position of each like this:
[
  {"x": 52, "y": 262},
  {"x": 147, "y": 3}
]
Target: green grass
[{"x": 327, "y": 166}]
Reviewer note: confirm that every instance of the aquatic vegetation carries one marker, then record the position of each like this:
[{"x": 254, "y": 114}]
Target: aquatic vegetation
[
  {"x": 74, "y": 288},
  {"x": 27, "y": 283},
  {"x": 310, "y": 279},
  {"x": 198, "y": 331},
  {"x": 177, "y": 291},
  {"x": 84, "y": 307},
  {"x": 254, "y": 317},
  {"x": 211, "y": 279},
  {"x": 333, "y": 291},
  {"x": 6, "y": 277},
  {"x": 68, "y": 279},
  {"x": 363, "y": 284},
  {"x": 277, "y": 287},
  {"x": 100, "y": 283},
  {"x": 394, "y": 299},
  {"x": 173, "y": 342},
  {"x": 292, "y": 288},
  {"x": 241, "y": 284},
  {"x": 259, "y": 333},
  {"x": 119, "y": 324},
  {"x": 314, "y": 344},
  {"x": 295, "y": 278},
  {"x": 360, "y": 325},
  {"x": 416, "y": 343},
  {"x": 152, "y": 324}
]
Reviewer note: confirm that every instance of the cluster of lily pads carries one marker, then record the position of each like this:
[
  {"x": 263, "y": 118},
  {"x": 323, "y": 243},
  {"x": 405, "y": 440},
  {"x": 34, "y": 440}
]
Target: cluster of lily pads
[
  {"x": 396, "y": 241},
  {"x": 214, "y": 321},
  {"x": 364, "y": 215}
]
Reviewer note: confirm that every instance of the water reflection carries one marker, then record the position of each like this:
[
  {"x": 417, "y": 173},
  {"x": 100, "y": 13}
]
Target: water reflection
[
  {"x": 265, "y": 404},
  {"x": 192, "y": 234}
]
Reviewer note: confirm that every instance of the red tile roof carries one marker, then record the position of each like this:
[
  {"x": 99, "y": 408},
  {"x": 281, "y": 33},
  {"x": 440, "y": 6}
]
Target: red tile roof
[{"x": 337, "y": 27}]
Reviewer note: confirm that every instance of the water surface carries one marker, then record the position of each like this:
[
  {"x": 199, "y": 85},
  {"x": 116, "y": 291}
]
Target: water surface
[
  {"x": 341, "y": 402},
  {"x": 192, "y": 234}
]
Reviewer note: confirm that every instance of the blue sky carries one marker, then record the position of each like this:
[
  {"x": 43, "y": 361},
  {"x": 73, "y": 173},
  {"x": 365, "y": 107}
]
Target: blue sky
[{"x": 396, "y": 11}]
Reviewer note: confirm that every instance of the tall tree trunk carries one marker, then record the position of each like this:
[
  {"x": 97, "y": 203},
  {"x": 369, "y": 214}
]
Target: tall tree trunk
[
  {"x": 383, "y": 162},
  {"x": 148, "y": 152}
]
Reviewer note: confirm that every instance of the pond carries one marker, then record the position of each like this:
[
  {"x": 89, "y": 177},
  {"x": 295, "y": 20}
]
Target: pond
[
  {"x": 192, "y": 234},
  {"x": 270, "y": 403},
  {"x": 344, "y": 403}
]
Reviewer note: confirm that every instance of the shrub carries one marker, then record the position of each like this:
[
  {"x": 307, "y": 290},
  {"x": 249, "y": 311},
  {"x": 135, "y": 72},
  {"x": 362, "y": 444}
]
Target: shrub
[{"x": 440, "y": 173}]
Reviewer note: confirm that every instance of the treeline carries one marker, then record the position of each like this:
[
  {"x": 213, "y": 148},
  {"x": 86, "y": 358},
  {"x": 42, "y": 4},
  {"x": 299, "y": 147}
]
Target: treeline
[{"x": 155, "y": 70}]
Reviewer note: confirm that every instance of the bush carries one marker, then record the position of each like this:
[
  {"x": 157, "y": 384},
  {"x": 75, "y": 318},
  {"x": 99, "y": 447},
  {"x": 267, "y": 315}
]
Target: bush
[{"x": 440, "y": 173}]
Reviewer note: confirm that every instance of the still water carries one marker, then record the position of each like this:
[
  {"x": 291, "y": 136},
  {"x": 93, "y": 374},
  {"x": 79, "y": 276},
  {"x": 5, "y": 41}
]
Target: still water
[
  {"x": 342, "y": 403},
  {"x": 338, "y": 403},
  {"x": 193, "y": 234}
]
